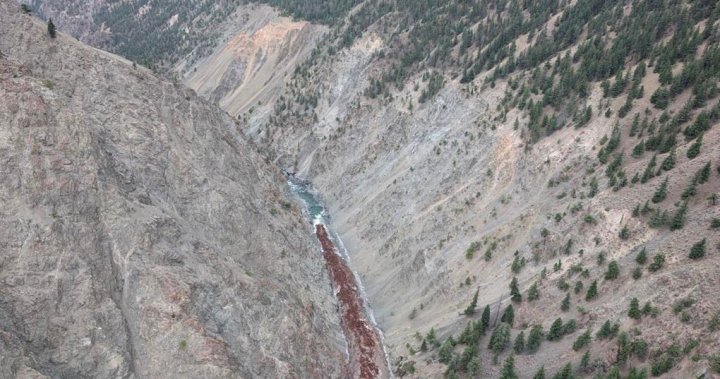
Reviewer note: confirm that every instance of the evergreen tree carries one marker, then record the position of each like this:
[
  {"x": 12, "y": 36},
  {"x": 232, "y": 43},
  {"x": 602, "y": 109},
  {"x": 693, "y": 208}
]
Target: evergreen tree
[
  {"x": 592, "y": 291},
  {"x": 555, "y": 332},
  {"x": 485, "y": 319},
  {"x": 540, "y": 374},
  {"x": 445, "y": 351},
  {"x": 534, "y": 339},
  {"x": 641, "y": 258},
  {"x": 694, "y": 149},
  {"x": 565, "y": 306},
  {"x": 499, "y": 339},
  {"x": 514, "y": 291},
  {"x": 585, "y": 360},
  {"x": 519, "y": 345},
  {"x": 661, "y": 192},
  {"x": 613, "y": 373},
  {"x": 698, "y": 250},
  {"x": 613, "y": 271},
  {"x": 423, "y": 346},
  {"x": 582, "y": 340},
  {"x": 470, "y": 310},
  {"x": 533, "y": 292},
  {"x": 657, "y": 263},
  {"x": 509, "y": 315},
  {"x": 625, "y": 232},
  {"x": 51, "y": 29},
  {"x": 649, "y": 169},
  {"x": 474, "y": 367},
  {"x": 637, "y": 273},
  {"x": 678, "y": 220},
  {"x": 565, "y": 373},
  {"x": 508, "y": 370},
  {"x": 669, "y": 162},
  {"x": 634, "y": 311},
  {"x": 704, "y": 174}
]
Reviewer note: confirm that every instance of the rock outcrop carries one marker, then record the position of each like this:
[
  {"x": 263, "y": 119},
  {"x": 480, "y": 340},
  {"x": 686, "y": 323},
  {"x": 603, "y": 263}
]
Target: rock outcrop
[{"x": 140, "y": 234}]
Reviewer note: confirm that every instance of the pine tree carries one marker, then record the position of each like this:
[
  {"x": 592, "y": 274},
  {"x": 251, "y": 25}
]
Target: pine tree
[
  {"x": 678, "y": 220},
  {"x": 534, "y": 339},
  {"x": 533, "y": 292},
  {"x": 423, "y": 346},
  {"x": 514, "y": 291},
  {"x": 565, "y": 373},
  {"x": 485, "y": 319},
  {"x": 516, "y": 265},
  {"x": 499, "y": 339},
  {"x": 694, "y": 149},
  {"x": 649, "y": 169},
  {"x": 634, "y": 311},
  {"x": 445, "y": 351},
  {"x": 565, "y": 306},
  {"x": 555, "y": 332},
  {"x": 613, "y": 271},
  {"x": 470, "y": 310},
  {"x": 592, "y": 291},
  {"x": 669, "y": 162},
  {"x": 637, "y": 273},
  {"x": 582, "y": 340},
  {"x": 698, "y": 250},
  {"x": 657, "y": 263},
  {"x": 661, "y": 192},
  {"x": 540, "y": 374},
  {"x": 585, "y": 360},
  {"x": 625, "y": 231},
  {"x": 51, "y": 29},
  {"x": 641, "y": 258},
  {"x": 474, "y": 366},
  {"x": 704, "y": 174},
  {"x": 519, "y": 345},
  {"x": 509, "y": 315},
  {"x": 508, "y": 370}
]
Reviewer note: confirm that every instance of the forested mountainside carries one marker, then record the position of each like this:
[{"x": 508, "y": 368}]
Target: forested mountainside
[
  {"x": 141, "y": 234},
  {"x": 526, "y": 187}
]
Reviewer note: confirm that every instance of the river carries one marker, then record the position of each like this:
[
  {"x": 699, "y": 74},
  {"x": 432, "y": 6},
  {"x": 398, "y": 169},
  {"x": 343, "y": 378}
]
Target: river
[{"x": 367, "y": 356}]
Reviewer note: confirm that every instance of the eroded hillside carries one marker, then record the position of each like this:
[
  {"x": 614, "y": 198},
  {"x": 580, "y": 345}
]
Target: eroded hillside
[
  {"x": 558, "y": 159},
  {"x": 142, "y": 235}
]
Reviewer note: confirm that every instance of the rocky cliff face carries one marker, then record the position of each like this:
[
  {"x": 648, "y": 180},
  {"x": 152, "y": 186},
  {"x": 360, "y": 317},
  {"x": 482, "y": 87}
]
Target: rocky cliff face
[{"x": 141, "y": 234}]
